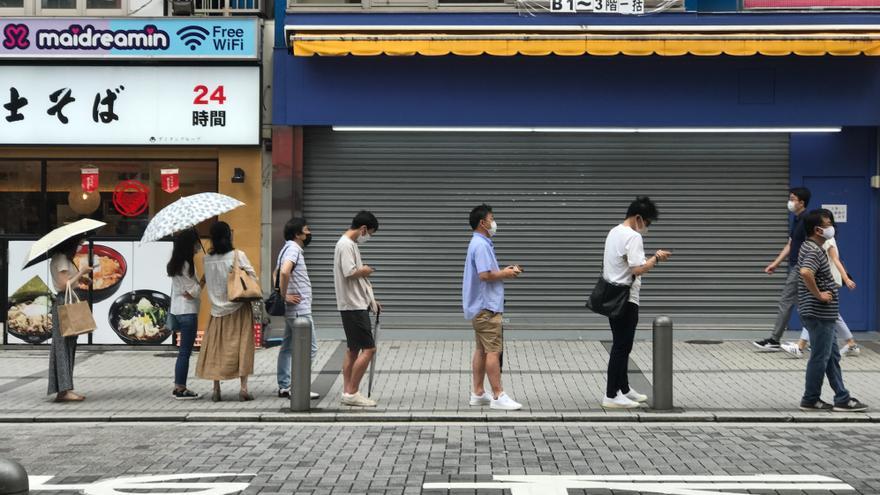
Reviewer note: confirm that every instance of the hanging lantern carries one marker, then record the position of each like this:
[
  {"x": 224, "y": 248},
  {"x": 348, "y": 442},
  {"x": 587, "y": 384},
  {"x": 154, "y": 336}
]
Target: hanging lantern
[{"x": 84, "y": 203}]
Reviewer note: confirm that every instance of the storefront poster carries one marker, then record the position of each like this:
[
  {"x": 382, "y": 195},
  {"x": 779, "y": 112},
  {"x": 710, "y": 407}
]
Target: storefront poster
[
  {"x": 131, "y": 293},
  {"x": 129, "y": 105},
  {"x": 202, "y": 39}
]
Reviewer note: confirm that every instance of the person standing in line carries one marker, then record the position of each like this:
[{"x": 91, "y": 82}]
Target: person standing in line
[
  {"x": 818, "y": 306},
  {"x": 482, "y": 295},
  {"x": 355, "y": 300},
  {"x": 293, "y": 277},
  {"x": 63, "y": 349},
  {"x": 841, "y": 278},
  {"x": 186, "y": 288},
  {"x": 798, "y": 200},
  {"x": 228, "y": 343},
  {"x": 624, "y": 264}
]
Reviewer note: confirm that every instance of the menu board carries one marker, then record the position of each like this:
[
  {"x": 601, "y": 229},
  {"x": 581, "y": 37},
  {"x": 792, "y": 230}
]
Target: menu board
[{"x": 131, "y": 294}]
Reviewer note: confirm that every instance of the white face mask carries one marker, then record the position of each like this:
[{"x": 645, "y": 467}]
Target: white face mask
[
  {"x": 828, "y": 232},
  {"x": 364, "y": 238},
  {"x": 791, "y": 206},
  {"x": 493, "y": 229},
  {"x": 644, "y": 229}
]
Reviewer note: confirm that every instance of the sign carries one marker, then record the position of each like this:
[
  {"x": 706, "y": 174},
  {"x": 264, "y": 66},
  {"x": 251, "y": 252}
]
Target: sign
[
  {"x": 839, "y": 212},
  {"x": 202, "y": 39},
  {"x": 131, "y": 198},
  {"x": 599, "y": 6},
  {"x": 811, "y": 4},
  {"x": 650, "y": 484},
  {"x": 89, "y": 179},
  {"x": 173, "y": 484},
  {"x": 106, "y": 105},
  {"x": 170, "y": 179}
]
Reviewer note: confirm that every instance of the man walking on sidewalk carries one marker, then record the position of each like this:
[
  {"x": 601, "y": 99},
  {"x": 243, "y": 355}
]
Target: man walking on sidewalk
[
  {"x": 798, "y": 199},
  {"x": 482, "y": 296},
  {"x": 819, "y": 309},
  {"x": 354, "y": 299},
  {"x": 293, "y": 275}
]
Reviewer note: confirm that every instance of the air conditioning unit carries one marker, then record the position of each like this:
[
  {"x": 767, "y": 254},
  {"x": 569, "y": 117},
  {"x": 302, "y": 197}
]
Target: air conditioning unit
[{"x": 182, "y": 7}]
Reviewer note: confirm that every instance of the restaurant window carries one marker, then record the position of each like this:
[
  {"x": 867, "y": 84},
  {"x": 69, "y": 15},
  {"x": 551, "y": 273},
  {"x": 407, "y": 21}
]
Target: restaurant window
[{"x": 20, "y": 196}]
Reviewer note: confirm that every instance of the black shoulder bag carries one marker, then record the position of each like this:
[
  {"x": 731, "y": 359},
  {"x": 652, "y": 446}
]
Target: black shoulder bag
[
  {"x": 275, "y": 301},
  {"x": 608, "y": 299}
]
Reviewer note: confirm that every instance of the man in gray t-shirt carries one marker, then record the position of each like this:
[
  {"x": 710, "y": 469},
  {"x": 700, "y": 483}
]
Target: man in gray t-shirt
[{"x": 294, "y": 276}]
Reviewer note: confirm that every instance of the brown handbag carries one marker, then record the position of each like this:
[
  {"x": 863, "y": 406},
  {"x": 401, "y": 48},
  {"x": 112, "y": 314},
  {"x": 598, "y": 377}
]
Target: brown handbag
[
  {"x": 241, "y": 286},
  {"x": 75, "y": 316}
]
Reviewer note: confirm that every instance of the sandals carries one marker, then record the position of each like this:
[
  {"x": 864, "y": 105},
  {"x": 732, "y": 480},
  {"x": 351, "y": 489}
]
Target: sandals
[
  {"x": 69, "y": 396},
  {"x": 245, "y": 396}
]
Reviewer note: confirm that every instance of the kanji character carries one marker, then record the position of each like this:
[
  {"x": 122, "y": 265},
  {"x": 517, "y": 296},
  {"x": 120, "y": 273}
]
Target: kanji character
[{"x": 15, "y": 104}]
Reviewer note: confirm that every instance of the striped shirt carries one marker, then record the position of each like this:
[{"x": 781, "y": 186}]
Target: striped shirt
[{"x": 814, "y": 258}]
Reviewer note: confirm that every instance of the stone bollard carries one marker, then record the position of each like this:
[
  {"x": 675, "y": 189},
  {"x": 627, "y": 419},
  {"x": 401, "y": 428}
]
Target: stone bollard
[
  {"x": 662, "y": 363},
  {"x": 302, "y": 365},
  {"x": 13, "y": 478}
]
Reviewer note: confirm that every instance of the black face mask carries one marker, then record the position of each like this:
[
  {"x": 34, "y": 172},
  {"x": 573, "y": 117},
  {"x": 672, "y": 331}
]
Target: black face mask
[{"x": 307, "y": 240}]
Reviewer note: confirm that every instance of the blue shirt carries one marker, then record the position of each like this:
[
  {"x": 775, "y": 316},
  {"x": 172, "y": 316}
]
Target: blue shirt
[{"x": 476, "y": 294}]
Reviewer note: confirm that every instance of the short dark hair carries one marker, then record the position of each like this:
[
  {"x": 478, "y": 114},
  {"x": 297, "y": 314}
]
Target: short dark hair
[
  {"x": 478, "y": 214},
  {"x": 294, "y": 227},
  {"x": 802, "y": 194},
  {"x": 643, "y": 207},
  {"x": 69, "y": 247},
  {"x": 814, "y": 219},
  {"x": 221, "y": 238},
  {"x": 365, "y": 218}
]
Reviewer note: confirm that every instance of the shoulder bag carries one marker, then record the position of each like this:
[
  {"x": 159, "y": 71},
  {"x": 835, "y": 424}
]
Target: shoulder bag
[
  {"x": 608, "y": 299},
  {"x": 241, "y": 286},
  {"x": 275, "y": 301}
]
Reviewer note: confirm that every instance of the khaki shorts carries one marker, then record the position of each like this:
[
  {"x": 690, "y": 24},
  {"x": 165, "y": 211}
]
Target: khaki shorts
[{"x": 487, "y": 326}]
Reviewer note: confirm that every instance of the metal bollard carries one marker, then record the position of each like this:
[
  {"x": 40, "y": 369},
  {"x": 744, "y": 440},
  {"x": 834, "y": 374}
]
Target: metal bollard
[
  {"x": 301, "y": 369},
  {"x": 13, "y": 478},
  {"x": 663, "y": 363}
]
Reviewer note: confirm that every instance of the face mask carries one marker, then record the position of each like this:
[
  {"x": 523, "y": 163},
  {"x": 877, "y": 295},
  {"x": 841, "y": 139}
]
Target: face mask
[
  {"x": 307, "y": 240},
  {"x": 364, "y": 238},
  {"x": 493, "y": 229},
  {"x": 791, "y": 206},
  {"x": 644, "y": 229},
  {"x": 828, "y": 232}
]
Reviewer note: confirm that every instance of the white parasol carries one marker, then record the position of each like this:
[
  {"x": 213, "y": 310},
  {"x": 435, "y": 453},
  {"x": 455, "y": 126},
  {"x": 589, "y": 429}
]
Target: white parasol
[
  {"x": 188, "y": 212},
  {"x": 40, "y": 249}
]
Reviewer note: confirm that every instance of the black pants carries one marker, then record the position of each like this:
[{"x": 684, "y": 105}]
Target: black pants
[{"x": 623, "y": 332}]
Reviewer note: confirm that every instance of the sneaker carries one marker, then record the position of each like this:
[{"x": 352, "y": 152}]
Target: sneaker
[
  {"x": 767, "y": 344},
  {"x": 635, "y": 396},
  {"x": 619, "y": 402},
  {"x": 852, "y": 405},
  {"x": 851, "y": 350},
  {"x": 819, "y": 405},
  {"x": 314, "y": 395},
  {"x": 358, "y": 400},
  {"x": 793, "y": 349},
  {"x": 284, "y": 393},
  {"x": 505, "y": 403},
  {"x": 481, "y": 400},
  {"x": 185, "y": 394}
]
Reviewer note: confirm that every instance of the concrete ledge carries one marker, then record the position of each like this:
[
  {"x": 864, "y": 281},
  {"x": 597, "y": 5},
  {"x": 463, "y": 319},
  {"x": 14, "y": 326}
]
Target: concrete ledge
[
  {"x": 753, "y": 417},
  {"x": 142, "y": 418}
]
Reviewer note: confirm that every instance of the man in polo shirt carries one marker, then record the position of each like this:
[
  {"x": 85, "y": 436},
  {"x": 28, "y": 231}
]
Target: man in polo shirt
[
  {"x": 483, "y": 302},
  {"x": 798, "y": 199},
  {"x": 818, "y": 306}
]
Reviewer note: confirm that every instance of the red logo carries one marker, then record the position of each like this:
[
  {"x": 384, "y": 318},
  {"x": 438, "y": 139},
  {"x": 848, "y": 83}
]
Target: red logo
[{"x": 131, "y": 198}]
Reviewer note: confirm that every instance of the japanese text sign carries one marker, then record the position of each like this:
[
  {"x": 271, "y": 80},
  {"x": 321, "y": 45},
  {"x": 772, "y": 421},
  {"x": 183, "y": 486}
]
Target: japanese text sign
[
  {"x": 129, "y": 105},
  {"x": 193, "y": 38}
]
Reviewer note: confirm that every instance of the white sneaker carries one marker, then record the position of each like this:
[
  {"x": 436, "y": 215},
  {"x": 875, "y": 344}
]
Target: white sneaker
[
  {"x": 793, "y": 349},
  {"x": 358, "y": 400},
  {"x": 851, "y": 350},
  {"x": 314, "y": 395},
  {"x": 481, "y": 400},
  {"x": 635, "y": 396},
  {"x": 619, "y": 402},
  {"x": 504, "y": 402}
]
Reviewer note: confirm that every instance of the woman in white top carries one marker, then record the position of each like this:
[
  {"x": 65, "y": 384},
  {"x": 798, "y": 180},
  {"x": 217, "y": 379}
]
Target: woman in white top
[
  {"x": 624, "y": 264},
  {"x": 184, "y": 312},
  {"x": 228, "y": 343},
  {"x": 841, "y": 278},
  {"x": 63, "y": 352}
]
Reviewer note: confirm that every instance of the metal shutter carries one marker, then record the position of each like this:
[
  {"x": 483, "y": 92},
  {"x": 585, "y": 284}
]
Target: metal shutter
[{"x": 555, "y": 196}]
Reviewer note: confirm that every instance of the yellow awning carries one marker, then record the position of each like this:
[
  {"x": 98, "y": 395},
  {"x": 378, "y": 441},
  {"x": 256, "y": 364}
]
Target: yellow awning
[{"x": 664, "y": 44}]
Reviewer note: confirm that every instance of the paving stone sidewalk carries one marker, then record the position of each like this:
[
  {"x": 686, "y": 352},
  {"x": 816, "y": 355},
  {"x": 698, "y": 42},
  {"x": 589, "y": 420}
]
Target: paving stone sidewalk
[{"x": 559, "y": 380}]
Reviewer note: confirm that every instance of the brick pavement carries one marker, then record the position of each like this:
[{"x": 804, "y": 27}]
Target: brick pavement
[{"x": 429, "y": 380}]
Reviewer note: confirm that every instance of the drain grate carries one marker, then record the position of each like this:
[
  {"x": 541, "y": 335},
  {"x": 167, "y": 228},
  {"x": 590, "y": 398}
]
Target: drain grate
[{"x": 704, "y": 342}]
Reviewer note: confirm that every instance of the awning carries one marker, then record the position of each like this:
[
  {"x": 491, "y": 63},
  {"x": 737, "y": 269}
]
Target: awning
[{"x": 671, "y": 43}]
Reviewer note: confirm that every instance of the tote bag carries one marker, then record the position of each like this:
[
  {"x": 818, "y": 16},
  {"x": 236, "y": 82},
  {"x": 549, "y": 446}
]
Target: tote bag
[
  {"x": 241, "y": 286},
  {"x": 75, "y": 316}
]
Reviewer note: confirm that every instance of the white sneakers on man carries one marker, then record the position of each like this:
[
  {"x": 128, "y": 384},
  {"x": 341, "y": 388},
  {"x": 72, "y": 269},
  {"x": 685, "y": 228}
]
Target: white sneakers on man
[
  {"x": 635, "y": 396},
  {"x": 505, "y": 403},
  {"x": 481, "y": 400},
  {"x": 357, "y": 399},
  {"x": 620, "y": 402}
]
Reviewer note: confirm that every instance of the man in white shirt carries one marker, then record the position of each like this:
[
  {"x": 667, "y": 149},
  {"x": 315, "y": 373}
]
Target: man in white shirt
[{"x": 354, "y": 300}]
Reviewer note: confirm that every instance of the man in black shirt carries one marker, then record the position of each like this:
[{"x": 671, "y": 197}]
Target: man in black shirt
[
  {"x": 798, "y": 199},
  {"x": 818, "y": 306}
]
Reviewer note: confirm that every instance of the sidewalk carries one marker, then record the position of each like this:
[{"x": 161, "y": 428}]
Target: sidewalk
[{"x": 429, "y": 381}]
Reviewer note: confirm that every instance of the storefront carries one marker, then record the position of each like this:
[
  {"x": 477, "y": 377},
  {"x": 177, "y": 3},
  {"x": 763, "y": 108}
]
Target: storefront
[
  {"x": 113, "y": 126},
  {"x": 559, "y": 122}
]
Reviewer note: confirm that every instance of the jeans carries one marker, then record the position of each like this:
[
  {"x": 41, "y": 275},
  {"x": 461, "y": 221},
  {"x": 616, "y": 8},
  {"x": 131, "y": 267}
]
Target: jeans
[
  {"x": 284, "y": 356},
  {"x": 824, "y": 361},
  {"x": 623, "y": 332},
  {"x": 787, "y": 301},
  {"x": 840, "y": 326},
  {"x": 186, "y": 325}
]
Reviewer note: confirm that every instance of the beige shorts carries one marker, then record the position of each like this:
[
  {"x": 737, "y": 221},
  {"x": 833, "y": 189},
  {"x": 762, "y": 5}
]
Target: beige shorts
[{"x": 487, "y": 327}]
